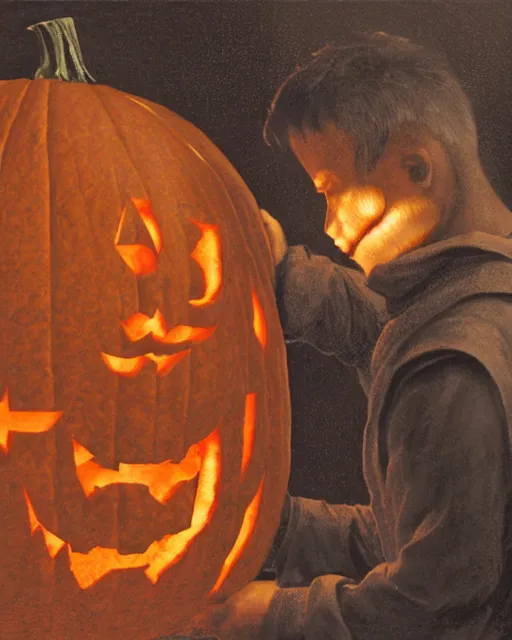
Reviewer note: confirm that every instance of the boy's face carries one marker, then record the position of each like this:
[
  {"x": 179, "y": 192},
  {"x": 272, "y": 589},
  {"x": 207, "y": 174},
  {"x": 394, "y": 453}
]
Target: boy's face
[{"x": 374, "y": 218}]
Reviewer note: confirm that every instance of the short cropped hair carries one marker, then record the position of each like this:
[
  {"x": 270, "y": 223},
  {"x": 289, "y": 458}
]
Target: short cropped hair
[{"x": 371, "y": 89}]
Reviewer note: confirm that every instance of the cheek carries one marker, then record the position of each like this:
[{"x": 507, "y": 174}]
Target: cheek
[
  {"x": 405, "y": 226},
  {"x": 355, "y": 209}
]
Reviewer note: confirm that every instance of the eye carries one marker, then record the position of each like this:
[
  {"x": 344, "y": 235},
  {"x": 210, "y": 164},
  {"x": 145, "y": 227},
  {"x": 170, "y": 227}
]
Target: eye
[
  {"x": 150, "y": 337},
  {"x": 140, "y": 258},
  {"x": 207, "y": 255}
]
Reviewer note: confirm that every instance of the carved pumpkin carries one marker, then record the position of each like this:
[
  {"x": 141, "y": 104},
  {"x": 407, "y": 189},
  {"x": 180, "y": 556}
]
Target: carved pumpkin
[{"x": 144, "y": 406}]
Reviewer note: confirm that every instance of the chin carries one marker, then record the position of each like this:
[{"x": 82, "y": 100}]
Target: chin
[{"x": 406, "y": 226}]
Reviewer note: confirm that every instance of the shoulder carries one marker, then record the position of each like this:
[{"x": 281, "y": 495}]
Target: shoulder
[
  {"x": 450, "y": 394},
  {"x": 448, "y": 373}
]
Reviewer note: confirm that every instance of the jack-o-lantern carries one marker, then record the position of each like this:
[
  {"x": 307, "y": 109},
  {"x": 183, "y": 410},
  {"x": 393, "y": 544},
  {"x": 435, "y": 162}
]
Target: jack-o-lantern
[{"x": 144, "y": 406}]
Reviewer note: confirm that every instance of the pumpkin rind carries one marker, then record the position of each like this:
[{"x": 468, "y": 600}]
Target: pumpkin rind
[{"x": 73, "y": 158}]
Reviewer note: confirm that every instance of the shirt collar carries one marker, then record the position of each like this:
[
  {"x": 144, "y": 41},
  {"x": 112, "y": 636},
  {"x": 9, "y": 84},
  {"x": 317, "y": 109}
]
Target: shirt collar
[{"x": 411, "y": 275}]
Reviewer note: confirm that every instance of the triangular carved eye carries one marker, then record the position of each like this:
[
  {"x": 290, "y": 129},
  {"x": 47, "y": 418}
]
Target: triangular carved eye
[
  {"x": 140, "y": 258},
  {"x": 139, "y": 241},
  {"x": 207, "y": 254}
]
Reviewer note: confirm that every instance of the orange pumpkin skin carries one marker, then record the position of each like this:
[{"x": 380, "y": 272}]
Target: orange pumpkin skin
[{"x": 81, "y": 167}]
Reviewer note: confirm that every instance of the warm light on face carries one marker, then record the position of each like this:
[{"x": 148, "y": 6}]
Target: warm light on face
[
  {"x": 404, "y": 226},
  {"x": 373, "y": 224},
  {"x": 350, "y": 214}
]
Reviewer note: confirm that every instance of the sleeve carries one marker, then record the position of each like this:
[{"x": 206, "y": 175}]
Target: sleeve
[
  {"x": 328, "y": 306},
  {"x": 323, "y": 538},
  {"x": 445, "y": 493}
]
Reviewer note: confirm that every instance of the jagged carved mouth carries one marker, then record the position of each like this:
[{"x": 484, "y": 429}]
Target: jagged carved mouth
[
  {"x": 162, "y": 480},
  {"x": 202, "y": 460},
  {"x": 149, "y": 339}
]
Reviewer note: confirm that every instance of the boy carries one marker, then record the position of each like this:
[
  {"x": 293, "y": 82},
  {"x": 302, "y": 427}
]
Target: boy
[{"x": 386, "y": 133}]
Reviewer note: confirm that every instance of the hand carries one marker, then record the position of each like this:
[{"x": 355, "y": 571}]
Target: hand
[
  {"x": 275, "y": 236},
  {"x": 240, "y": 617}
]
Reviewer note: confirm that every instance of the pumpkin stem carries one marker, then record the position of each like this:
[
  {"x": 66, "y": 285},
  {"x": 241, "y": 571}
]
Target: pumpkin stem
[{"x": 62, "y": 31}]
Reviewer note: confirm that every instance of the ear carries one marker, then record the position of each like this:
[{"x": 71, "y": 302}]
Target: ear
[{"x": 418, "y": 165}]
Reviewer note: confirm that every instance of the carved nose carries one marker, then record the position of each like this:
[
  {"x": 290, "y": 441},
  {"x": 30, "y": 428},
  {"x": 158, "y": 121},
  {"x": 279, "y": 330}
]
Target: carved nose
[
  {"x": 148, "y": 338},
  {"x": 146, "y": 334}
]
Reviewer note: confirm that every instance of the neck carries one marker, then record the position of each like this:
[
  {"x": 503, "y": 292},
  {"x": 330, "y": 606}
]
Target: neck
[{"x": 475, "y": 207}]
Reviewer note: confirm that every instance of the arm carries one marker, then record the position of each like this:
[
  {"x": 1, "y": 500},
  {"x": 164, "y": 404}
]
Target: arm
[
  {"x": 445, "y": 491},
  {"x": 328, "y": 306},
  {"x": 315, "y": 538},
  {"x": 324, "y": 304},
  {"x": 326, "y": 538}
]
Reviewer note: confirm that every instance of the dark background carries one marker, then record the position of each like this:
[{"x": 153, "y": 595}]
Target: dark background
[{"x": 218, "y": 65}]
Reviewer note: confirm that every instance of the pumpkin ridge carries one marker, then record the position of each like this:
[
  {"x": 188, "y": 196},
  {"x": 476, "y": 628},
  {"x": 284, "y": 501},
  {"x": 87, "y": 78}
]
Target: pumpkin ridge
[
  {"x": 255, "y": 274},
  {"x": 121, "y": 152},
  {"x": 231, "y": 175},
  {"x": 96, "y": 90},
  {"x": 5, "y": 141},
  {"x": 119, "y": 135},
  {"x": 51, "y": 301},
  {"x": 99, "y": 91},
  {"x": 173, "y": 131},
  {"x": 116, "y": 504}
]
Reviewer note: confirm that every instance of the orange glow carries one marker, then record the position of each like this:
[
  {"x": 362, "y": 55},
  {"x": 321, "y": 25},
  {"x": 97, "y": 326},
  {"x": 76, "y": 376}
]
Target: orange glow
[
  {"x": 90, "y": 567},
  {"x": 258, "y": 323},
  {"x": 351, "y": 213},
  {"x": 207, "y": 254},
  {"x": 23, "y": 421},
  {"x": 128, "y": 367},
  {"x": 165, "y": 364},
  {"x": 404, "y": 226},
  {"x": 170, "y": 549},
  {"x": 246, "y": 531},
  {"x": 183, "y": 333},
  {"x": 81, "y": 455},
  {"x": 53, "y": 542},
  {"x": 139, "y": 325},
  {"x": 139, "y": 258},
  {"x": 249, "y": 422},
  {"x": 162, "y": 479},
  {"x": 146, "y": 213}
]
